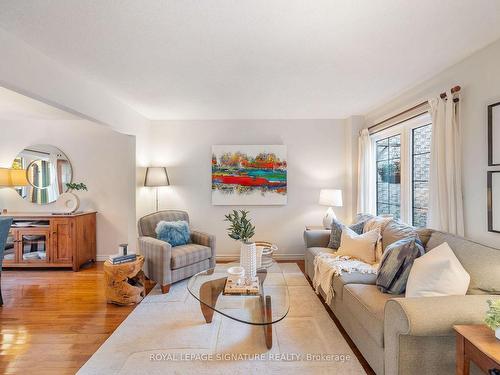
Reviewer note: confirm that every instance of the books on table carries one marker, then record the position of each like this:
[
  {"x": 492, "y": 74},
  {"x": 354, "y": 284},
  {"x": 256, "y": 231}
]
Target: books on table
[{"x": 119, "y": 258}]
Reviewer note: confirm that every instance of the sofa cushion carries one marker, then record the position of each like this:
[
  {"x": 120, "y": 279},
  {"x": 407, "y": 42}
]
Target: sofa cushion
[
  {"x": 367, "y": 304},
  {"x": 424, "y": 234},
  {"x": 379, "y": 223},
  {"x": 351, "y": 278},
  {"x": 186, "y": 255},
  {"x": 395, "y": 231},
  {"x": 480, "y": 261},
  {"x": 318, "y": 250}
]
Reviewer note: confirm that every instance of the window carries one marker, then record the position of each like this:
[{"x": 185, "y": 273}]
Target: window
[
  {"x": 389, "y": 176},
  {"x": 402, "y": 157},
  {"x": 421, "y": 160}
]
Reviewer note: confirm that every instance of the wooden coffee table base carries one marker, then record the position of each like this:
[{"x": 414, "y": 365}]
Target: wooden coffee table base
[
  {"x": 210, "y": 292},
  {"x": 267, "y": 314}
]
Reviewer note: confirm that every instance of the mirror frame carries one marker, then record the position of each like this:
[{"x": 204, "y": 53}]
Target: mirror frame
[{"x": 30, "y": 188}]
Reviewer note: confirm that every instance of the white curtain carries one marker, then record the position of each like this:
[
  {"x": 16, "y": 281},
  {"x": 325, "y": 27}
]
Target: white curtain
[
  {"x": 366, "y": 181},
  {"x": 445, "y": 185}
]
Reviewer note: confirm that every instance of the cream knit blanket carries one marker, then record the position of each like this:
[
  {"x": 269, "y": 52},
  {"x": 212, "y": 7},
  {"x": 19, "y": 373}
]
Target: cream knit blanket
[{"x": 326, "y": 266}]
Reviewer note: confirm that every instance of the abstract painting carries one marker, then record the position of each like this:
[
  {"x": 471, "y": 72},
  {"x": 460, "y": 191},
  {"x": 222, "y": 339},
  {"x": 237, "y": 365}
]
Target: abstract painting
[{"x": 249, "y": 175}]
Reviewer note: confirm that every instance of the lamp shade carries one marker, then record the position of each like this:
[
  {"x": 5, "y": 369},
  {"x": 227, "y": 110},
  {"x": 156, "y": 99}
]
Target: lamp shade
[
  {"x": 156, "y": 176},
  {"x": 13, "y": 177},
  {"x": 330, "y": 197}
]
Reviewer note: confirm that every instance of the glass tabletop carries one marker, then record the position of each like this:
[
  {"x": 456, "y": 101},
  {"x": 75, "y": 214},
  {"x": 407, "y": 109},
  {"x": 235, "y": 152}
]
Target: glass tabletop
[{"x": 269, "y": 306}]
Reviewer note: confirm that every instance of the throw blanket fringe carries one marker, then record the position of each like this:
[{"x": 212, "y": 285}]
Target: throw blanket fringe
[{"x": 326, "y": 266}]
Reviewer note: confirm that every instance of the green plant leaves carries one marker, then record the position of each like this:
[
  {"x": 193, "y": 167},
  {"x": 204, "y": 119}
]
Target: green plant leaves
[
  {"x": 76, "y": 186},
  {"x": 240, "y": 228},
  {"x": 493, "y": 314}
]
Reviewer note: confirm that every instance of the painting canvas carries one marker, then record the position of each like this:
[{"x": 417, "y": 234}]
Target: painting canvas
[{"x": 249, "y": 175}]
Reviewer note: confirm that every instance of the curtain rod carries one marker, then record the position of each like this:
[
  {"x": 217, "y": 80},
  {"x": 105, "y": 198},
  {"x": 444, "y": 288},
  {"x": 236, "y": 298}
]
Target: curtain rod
[{"x": 454, "y": 90}]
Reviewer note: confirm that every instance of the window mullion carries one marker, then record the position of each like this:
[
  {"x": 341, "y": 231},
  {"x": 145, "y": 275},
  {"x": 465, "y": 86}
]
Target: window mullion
[{"x": 405, "y": 176}]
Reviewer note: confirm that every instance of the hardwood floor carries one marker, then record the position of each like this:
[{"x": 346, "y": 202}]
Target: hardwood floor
[{"x": 54, "y": 320}]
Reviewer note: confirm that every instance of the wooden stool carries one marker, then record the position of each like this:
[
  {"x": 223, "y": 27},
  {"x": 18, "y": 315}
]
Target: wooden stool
[{"x": 125, "y": 282}]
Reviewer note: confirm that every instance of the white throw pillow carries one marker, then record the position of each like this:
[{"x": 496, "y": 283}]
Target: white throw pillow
[
  {"x": 437, "y": 273},
  {"x": 360, "y": 246}
]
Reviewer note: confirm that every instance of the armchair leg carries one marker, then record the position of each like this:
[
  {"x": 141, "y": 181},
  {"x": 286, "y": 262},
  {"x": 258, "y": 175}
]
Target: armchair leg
[{"x": 165, "y": 288}]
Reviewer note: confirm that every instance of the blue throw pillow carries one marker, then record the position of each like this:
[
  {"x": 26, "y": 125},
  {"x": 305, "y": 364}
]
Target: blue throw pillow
[
  {"x": 176, "y": 233},
  {"x": 336, "y": 232},
  {"x": 396, "y": 264}
]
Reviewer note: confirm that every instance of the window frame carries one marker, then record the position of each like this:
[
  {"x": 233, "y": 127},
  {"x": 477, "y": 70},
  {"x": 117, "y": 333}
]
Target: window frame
[{"x": 405, "y": 129}]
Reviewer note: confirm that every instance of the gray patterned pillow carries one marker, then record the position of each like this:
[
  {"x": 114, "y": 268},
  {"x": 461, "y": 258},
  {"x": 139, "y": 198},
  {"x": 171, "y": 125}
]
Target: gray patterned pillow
[
  {"x": 336, "y": 232},
  {"x": 358, "y": 227},
  {"x": 396, "y": 264}
]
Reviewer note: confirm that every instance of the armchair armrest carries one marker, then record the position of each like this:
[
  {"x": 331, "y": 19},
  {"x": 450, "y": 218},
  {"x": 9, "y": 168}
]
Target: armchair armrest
[
  {"x": 205, "y": 239},
  {"x": 435, "y": 316},
  {"x": 157, "y": 256},
  {"x": 317, "y": 237}
]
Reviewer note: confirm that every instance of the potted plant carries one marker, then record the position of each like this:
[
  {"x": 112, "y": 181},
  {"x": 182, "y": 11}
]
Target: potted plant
[
  {"x": 493, "y": 317},
  {"x": 390, "y": 173},
  {"x": 241, "y": 229}
]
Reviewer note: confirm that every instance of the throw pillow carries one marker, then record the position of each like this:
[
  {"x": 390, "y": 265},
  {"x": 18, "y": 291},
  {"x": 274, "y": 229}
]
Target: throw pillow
[
  {"x": 336, "y": 232},
  {"x": 358, "y": 227},
  {"x": 395, "y": 231},
  {"x": 396, "y": 264},
  {"x": 359, "y": 246},
  {"x": 379, "y": 223},
  {"x": 176, "y": 233},
  {"x": 437, "y": 273}
]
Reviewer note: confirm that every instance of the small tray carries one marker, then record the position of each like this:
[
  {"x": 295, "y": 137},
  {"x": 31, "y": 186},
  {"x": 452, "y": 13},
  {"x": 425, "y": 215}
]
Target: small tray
[{"x": 230, "y": 288}]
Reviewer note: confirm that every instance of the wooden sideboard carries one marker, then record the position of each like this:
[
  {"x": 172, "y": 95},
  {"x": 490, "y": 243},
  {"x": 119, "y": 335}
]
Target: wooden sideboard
[{"x": 45, "y": 240}]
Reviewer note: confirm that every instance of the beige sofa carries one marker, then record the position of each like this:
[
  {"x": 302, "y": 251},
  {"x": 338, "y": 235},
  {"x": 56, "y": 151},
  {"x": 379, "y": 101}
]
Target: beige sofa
[{"x": 398, "y": 335}]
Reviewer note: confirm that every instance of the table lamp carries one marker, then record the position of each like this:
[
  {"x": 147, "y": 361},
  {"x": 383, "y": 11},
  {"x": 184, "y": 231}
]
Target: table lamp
[
  {"x": 156, "y": 177},
  {"x": 13, "y": 177},
  {"x": 330, "y": 198}
]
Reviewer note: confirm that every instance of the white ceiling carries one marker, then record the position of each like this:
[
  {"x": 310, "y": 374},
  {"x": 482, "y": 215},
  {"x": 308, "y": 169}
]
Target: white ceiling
[{"x": 214, "y": 59}]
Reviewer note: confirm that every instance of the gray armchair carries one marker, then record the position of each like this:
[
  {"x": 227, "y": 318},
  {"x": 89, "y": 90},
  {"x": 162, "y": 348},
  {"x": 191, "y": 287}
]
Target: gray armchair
[{"x": 166, "y": 264}]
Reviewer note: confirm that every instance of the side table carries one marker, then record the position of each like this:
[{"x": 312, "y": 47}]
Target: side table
[
  {"x": 476, "y": 343},
  {"x": 125, "y": 282}
]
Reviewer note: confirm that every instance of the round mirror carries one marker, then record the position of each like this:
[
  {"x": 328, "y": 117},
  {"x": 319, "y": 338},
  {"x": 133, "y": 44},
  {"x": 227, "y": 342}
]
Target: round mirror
[{"x": 48, "y": 171}]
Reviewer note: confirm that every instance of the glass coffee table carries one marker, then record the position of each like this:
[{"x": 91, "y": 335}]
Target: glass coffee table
[{"x": 264, "y": 309}]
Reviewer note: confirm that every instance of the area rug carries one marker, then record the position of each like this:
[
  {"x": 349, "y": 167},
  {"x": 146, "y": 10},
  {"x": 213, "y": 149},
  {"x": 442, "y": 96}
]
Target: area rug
[{"x": 167, "y": 334}]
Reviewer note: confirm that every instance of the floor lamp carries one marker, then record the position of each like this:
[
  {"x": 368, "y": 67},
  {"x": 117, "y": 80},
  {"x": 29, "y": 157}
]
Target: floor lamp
[{"x": 156, "y": 177}]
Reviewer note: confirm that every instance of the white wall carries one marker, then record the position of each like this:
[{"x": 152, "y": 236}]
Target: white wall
[
  {"x": 316, "y": 159},
  {"x": 479, "y": 77},
  {"x": 101, "y": 158}
]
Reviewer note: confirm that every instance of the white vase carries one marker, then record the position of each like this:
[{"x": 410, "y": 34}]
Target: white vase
[
  {"x": 248, "y": 260},
  {"x": 497, "y": 333},
  {"x": 67, "y": 203}
]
